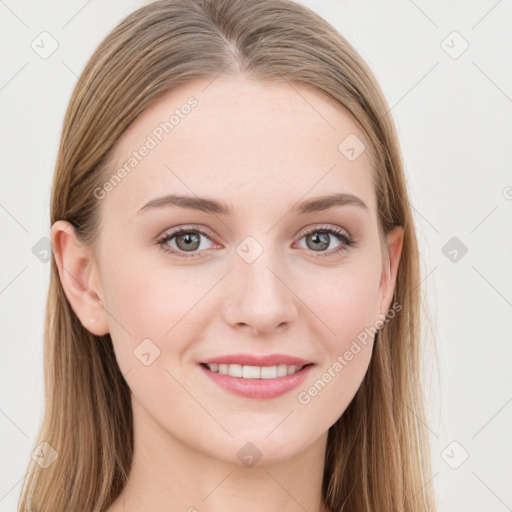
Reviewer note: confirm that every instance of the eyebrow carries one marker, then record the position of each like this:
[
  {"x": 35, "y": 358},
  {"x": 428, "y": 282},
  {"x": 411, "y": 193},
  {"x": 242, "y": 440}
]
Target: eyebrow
[{"x": 208, "y": 205}]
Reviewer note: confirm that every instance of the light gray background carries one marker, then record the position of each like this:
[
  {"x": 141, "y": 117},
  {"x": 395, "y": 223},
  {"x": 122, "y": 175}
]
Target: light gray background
[{"x": 455, "y": 124}]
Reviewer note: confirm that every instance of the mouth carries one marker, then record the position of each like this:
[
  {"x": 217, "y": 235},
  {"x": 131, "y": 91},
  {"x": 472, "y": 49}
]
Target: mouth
[{"x": 242, "y": 376}]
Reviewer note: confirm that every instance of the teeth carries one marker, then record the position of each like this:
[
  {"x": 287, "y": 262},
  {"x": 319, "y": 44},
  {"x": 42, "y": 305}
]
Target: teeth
[
  {"x": 254, "y": 372},
  {"x": 248, "y": 372}
]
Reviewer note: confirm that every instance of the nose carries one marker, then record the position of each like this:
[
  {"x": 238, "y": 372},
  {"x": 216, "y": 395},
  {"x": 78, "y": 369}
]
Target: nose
[{"x": 260, "y": 297}]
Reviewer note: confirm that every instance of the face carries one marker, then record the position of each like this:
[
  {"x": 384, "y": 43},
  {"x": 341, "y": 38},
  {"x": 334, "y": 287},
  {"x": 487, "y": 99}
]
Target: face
[{"x": 270, "y": 276}]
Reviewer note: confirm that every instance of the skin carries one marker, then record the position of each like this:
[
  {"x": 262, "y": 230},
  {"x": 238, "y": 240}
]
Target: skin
[{"x": 261, "y": 148}]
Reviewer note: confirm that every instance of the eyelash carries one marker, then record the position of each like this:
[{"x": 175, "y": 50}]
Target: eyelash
[{"x": 347, "y": 241}]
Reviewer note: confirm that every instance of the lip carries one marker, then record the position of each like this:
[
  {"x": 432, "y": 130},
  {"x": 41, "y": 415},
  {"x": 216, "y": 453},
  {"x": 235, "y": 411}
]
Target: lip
[
  {"x": 258, "y": 388},
  {"x": 252, "y": 360}
]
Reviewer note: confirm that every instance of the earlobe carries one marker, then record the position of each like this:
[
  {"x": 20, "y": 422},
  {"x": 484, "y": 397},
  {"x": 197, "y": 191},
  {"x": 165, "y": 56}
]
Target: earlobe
[
  {"x": 77, "y": 274},
  {"x": 395, "y": 240}
]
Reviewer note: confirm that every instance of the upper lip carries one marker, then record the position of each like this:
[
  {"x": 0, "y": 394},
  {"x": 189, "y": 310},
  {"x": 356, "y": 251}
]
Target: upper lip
[{"x": 253, "y": 360}]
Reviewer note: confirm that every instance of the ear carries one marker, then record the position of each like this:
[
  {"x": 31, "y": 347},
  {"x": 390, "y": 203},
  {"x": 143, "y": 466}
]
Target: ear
[
  {"x": 395, "y": 239},
  {"x": 79, "y": 277}
]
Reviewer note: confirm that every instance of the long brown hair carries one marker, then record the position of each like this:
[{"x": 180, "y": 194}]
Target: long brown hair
[{"x": 378, "y": 452}]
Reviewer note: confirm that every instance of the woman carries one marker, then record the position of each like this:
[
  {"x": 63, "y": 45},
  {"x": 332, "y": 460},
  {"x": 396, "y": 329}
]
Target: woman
[{"x": 233, "y": 313}]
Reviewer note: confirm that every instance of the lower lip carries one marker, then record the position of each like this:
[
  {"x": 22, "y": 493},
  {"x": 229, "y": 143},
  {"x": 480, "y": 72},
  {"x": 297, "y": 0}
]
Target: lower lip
[{"x": 258, "y": 388}]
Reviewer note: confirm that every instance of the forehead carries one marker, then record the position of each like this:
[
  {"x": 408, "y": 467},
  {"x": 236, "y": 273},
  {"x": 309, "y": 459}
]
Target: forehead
[{"x": 257, "y": 143}]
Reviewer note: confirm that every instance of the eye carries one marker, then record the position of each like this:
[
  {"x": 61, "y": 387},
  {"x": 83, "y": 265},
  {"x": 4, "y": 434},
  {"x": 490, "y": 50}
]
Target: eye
[
  {"x": 319, "y": 239},
  {"x": 187, "y": 240}
]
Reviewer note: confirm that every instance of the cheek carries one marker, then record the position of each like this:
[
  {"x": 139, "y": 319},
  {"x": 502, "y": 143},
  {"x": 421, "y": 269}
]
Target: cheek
[
  {"x": 148, "y": 302},
  {"x": 346, "y": 308},
  {"x": 347, "y": 302}
]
